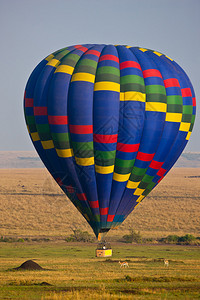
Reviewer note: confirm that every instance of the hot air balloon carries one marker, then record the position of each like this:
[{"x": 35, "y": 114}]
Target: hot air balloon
[{"x": 108, "y": 122}]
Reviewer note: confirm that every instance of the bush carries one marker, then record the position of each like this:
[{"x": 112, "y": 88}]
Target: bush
[
  {"x": 5, "y": 239},
  {"x": 20, "y": 240},
  {"x": 132, "y": 237},
  {"x": 80, "y": 236},
  {"x": 186, "y": 239},
  {"x": 172, "y": 239}
]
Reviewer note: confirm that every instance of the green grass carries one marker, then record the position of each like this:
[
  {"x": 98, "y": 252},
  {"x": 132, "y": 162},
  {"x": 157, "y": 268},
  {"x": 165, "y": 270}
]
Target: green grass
[{"x": 73, "y": 272}]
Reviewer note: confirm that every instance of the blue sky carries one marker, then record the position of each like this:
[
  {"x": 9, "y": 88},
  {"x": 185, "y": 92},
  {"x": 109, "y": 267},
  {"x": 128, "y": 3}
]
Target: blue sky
[{"x": 30, "y": 30}]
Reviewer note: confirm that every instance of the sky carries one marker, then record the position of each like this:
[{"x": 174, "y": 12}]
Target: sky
[{"x": 31, "y": 30}]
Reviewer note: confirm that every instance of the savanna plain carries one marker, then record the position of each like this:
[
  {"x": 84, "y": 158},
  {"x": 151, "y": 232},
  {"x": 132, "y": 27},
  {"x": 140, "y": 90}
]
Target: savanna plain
[{"x": 36, "y": 217}]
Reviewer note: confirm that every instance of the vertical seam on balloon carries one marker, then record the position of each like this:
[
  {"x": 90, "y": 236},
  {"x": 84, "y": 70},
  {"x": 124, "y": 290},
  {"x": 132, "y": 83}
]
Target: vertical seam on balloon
[
  {"x": 93, "y": 105},
  {"x": 130, "y": 49},
  {"x": 71, "y": 145},
  {"x": 117, "y": 139},
  {"x": 75, "y": 163},
  {"x": 117, "y": 133},
  {"x": 93, "y": 127}
]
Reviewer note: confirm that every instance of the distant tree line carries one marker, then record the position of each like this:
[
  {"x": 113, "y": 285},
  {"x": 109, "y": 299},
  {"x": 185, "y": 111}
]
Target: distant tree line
[{"x": 133, "y": 236}]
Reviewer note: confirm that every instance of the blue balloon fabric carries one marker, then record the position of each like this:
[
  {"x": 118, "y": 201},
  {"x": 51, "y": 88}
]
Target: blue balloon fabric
[{"x": 108, "y": 122}]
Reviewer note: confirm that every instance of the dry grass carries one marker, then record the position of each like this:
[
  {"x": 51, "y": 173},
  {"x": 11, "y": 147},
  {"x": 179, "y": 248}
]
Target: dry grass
[
  {"x": 74, "y": 273},
  {"x": 32, "y": 204}
]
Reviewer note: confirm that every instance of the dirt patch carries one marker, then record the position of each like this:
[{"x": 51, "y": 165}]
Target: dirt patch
[{"x": 29, "y": 265}]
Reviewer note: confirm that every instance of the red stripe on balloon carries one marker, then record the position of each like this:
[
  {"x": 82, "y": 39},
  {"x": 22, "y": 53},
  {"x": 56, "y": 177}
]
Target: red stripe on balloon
[
  {"x": 81, "y": 129},
  {"x": 94, "y": 52},
  {"x": 80, "y": 47},
  {"x": 151, "y": 73},
  {"x": 130, "y": 64},
  {"x": 28, "y": 102},
  {"x": 105, "y": 138},
  {"x": 186, "y": 92},
  {"x": 103, "y": 211},
  {"x": 94, "y": 204},
  {"x": 82, "y": 197},
  {"x": 127, "y": 147},
  {"x": 145, "y": 156},
  {"x": 194, "y": 101},
  {"x": 110, "y": 218},
  {"x": 109, "y": 57},
  {"x": 161, "y": 172},
  {"x": 171, "y": 82},
  {"x": 58, "y": 120},
  {"x": 40, "y": 110},
  {"x": 156, "y": 164}
]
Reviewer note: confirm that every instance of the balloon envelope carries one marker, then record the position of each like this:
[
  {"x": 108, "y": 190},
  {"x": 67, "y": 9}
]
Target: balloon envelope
[{"x": 108, "y": 122}]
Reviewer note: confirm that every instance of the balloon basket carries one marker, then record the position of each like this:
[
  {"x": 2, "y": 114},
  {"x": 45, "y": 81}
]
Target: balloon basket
[{"x": 103, "y": 250}]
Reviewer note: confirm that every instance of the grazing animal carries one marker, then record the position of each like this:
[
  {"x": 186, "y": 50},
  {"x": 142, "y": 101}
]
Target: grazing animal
[
  {"x": 123, "y": 264},
  {"x": 166, "y": 263}
]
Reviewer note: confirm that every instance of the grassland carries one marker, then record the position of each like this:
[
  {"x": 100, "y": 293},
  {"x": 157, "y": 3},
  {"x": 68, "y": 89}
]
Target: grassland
[
  {"x": 32, "y": 204},
  {"x": 72, "y": 272}
]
